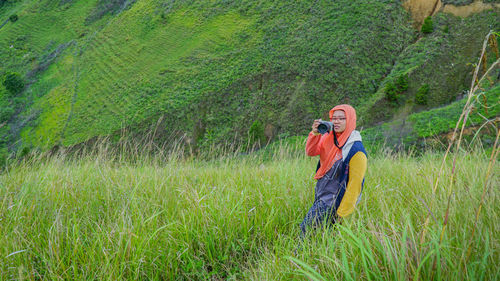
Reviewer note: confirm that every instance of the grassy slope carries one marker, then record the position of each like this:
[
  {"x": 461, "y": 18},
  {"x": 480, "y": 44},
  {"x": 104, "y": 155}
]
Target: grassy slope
[
  {"x": 208, "y": 69},
  {"x": 122, "y": 86},
  {"x": 439, "y": 121},
  {"x": 158, "y": 60},
  {"x": 42, "y": 26},
  {"x": 442, "y": 59},
  {"x": 93, "y": 218},
  {"x": 29, "y": 45}
]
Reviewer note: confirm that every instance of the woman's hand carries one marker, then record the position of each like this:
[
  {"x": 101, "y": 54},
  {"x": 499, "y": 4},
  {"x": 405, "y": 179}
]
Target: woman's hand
[{"x": 315, "y": 126}]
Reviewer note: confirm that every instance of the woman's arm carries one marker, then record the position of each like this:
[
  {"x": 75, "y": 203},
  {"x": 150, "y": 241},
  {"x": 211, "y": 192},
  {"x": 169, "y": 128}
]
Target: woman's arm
[
  {"x": 313, "y": 146},
  {"x": 357, "y": 169}
]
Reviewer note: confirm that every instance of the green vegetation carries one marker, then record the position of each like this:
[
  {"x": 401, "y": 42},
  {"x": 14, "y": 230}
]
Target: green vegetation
[
  {"x": 435, "y": 122},
  {"x": 422, "y": 95},
  {"x": 402, "y": 83},
  {"x": 204, "y": 71},
  {"x": 167, "y": 218},
  {"x": 256, "y": 133},
  {"x": 205, "y": 77},
  {"x": 442, "y": 59},
  {"x": 427, "y": 26},
  {"x": 442, "y": 120},
  {"x": 394, "y": 92},
  {"x": 5, "y": 104},
  {"x": 6, "y": 109},
  {"x": 390, "y": 93},
  {"x": 208, "y": 64},
  {"x": 104, "y": 7},
  {"x": 13, "y": 83}
]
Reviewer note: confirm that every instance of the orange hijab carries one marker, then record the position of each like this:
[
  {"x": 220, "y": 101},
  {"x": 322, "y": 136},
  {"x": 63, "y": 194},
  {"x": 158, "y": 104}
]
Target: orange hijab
[{"x": 330, "y": 153}]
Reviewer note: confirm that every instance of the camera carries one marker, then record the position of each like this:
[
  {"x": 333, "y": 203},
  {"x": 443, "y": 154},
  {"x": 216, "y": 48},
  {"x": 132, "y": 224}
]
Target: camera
[{"x": 324, "y": 127}]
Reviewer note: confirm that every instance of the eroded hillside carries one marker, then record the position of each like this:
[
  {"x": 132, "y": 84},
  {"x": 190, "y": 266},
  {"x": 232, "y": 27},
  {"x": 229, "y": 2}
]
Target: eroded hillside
[{"x": 420, "y": 9}]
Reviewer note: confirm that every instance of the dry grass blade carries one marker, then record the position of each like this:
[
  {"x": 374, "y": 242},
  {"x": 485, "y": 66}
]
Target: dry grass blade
[
  {"x": 466, "y": 112},
  {"x": 494, "y": 155},
  {"x": 454, "y": 140}
]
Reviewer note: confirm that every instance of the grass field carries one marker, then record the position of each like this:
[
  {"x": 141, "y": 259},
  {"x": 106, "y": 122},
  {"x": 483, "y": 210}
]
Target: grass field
[{"x": 98, "y": 217}]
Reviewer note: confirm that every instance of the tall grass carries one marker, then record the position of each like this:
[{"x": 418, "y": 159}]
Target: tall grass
[
  {"x": 180, "y": 218},
  {"x": 116, "y": 212}
]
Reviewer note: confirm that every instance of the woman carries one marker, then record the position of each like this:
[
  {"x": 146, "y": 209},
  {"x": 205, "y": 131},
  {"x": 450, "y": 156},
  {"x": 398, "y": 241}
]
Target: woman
[{"x": 341, "y": 168}]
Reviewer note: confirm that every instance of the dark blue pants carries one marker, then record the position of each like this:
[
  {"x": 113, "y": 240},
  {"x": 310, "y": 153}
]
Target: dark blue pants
[{"x": 318, "y": 214}]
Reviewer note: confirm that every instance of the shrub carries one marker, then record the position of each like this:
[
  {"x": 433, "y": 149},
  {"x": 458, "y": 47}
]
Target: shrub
[
  {"x": 256, "y": 133},
  {"x": 13, "y": 18},
  {"x": 5, "y": 135},
  {"x": 5, "y": 113},
  {"x": 428, "y": 25},
  {"x": 4, "y": 154},
  {"x": 402, "y": 83},
  {"x": 422, "y": 94},
  {"x": 23, "y": 152},
  {"x": 391, "y": 93},
  {"x": 13, "y": 83}
]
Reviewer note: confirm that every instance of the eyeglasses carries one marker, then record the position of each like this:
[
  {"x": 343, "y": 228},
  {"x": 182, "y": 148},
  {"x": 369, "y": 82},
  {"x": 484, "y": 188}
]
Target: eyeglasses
[{"x": 338, "y": 119}]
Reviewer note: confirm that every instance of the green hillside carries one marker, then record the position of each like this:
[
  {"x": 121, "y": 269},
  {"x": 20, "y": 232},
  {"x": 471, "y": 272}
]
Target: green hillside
[
  {"x": 436, "y": 122},
  {"x": 207, "y": 71}
]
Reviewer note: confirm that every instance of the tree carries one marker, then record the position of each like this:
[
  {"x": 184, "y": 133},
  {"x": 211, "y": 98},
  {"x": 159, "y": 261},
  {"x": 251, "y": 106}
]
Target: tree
[
  {"x": 13, "y": 83},
  {"x": 390, "y": 93},
  {"x": 13, "y": 18},
  {"x": 393, "y": 91},
  {"x": 402, "y": 83},
  {"x": 422, "y": 95},
  {"x": 256, "y": 133},
  {"x": 6, "y": 111},
  {"x": 428, "y": 25}
]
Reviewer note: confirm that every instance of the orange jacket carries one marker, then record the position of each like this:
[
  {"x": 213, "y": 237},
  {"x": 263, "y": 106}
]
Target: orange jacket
[{"x": 323, "y": 146}]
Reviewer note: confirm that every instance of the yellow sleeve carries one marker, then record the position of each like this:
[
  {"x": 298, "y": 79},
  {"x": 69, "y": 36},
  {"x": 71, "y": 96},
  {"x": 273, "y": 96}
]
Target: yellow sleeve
[{"x": 357, "y": 169}]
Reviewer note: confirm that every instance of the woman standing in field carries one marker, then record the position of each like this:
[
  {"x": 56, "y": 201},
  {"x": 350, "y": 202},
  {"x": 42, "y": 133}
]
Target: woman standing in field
[{"x": 341, "y": 168}]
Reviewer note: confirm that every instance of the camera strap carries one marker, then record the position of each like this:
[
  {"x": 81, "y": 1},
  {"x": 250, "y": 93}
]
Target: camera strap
[{"x": 335, "y": 140}]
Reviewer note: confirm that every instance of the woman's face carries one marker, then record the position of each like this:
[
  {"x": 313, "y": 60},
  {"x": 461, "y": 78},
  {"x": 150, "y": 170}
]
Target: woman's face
[{"x": 339, "y": 121}]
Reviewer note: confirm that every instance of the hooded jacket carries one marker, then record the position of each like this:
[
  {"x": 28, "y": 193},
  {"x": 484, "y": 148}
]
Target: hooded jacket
[{"x": 341, "y": 171}]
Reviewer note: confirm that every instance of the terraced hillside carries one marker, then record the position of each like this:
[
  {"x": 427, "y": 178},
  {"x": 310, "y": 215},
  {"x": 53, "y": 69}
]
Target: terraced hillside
[
  {"x": 131, "y": 81},
  {"x": 207, "y": 71}
]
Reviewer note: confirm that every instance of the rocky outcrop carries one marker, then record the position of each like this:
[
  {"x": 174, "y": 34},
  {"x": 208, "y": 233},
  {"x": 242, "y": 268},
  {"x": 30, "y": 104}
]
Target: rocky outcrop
[
  {"x": 467, "y": 10},
  {"x": 420, "y": 9}
]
